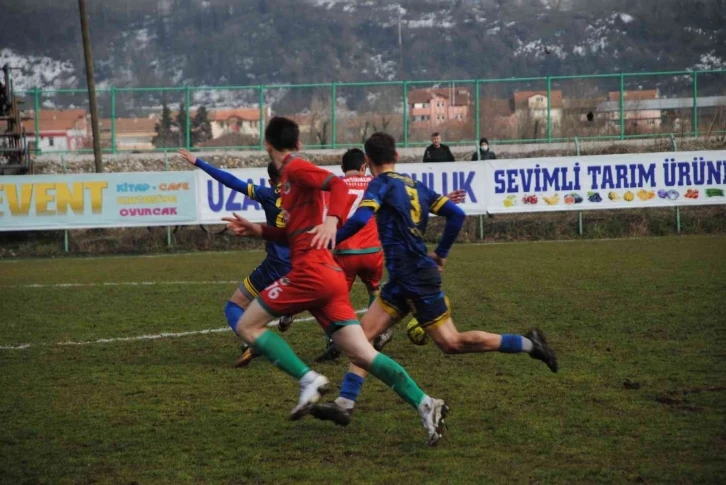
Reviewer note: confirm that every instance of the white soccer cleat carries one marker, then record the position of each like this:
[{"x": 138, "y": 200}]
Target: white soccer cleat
[
  {"x": 433, "y": 412},
  {"x": 309, "y": 395}
]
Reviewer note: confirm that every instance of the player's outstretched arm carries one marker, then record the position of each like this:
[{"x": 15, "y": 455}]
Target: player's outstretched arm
[
  {"x": 219, "y": 175},
  {"x": 454, "y": 222}
]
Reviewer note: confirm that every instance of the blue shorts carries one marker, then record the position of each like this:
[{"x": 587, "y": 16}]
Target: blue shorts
[
  {"x": 420, "y": 295},
  {"x": 263, "y": 276}
]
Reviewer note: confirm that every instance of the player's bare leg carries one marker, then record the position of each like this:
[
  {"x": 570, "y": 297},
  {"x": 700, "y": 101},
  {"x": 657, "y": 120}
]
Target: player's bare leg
[
  {"x": 252, "y": 327},
  {"x": 332, "y": 352},
  {"x": 451, "y": 341},
  {"x": 233, "y": 310},
  {"x": 352, "y": 341}
]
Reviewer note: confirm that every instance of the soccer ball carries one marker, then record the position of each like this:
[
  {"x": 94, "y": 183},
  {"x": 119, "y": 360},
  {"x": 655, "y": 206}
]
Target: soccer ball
[{"x": 416, "y": 334}]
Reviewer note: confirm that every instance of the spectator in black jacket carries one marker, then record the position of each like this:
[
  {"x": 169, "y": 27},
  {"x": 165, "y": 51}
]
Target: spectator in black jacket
[
  {"x": 484, "y": 152},
  {"x": 437, "y": 152}
]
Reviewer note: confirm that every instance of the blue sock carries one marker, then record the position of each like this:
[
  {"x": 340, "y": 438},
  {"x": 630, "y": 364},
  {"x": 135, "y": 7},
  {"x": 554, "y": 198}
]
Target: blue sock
[
  {"x": 511, "y": 344},
  {"x": 352, "y": 384},
  {"x": 233, "y": 312}
]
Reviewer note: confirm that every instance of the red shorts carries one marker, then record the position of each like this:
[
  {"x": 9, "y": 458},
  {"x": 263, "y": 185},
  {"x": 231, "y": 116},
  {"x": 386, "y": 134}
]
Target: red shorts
[
  {"x": 368, "y": 267},
  {"x": 316, "y": 287}
]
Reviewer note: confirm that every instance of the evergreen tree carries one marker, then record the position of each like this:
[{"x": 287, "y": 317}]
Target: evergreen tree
[
  {"x": 181, "y": 125},
  {"x": 201, "y": 127},
  {"x": 164, "y": 136}
]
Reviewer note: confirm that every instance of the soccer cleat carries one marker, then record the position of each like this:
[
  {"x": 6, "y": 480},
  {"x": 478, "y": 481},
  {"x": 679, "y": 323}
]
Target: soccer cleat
[
  {"x": 284, "y": 323},
  {"x": 332, "y": 411},
  {"x": 541, "y": 350},
  {"x": 433, "y": 412},
  {"x": 331, "y": 352},
  {"x": 247, "y": 355},
  {"x": 383, "y": 339},
  {"x": 309, "y": 395}
]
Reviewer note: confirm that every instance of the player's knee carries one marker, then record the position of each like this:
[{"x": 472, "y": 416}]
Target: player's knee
[{"x": 450, "y": 346}]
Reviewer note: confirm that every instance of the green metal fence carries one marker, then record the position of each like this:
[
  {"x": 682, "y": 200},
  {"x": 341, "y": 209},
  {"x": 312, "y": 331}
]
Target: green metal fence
[{"x": 341, "y": 115}]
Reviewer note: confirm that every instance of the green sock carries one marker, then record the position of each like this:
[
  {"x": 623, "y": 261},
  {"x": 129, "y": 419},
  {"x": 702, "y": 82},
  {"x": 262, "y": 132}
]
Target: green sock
[
  {"x": 279, "y": 353},
  {"x": 395, "y": 377}
]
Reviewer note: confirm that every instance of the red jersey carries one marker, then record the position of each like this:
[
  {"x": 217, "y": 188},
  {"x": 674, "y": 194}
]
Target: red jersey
[
  {"x": 301, "y": 190},
  {"x": 366, "y": 240}
]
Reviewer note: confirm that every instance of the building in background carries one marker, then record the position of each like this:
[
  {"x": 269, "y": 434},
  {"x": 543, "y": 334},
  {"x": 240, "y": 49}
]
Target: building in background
[{"x": 435, "y": 106}]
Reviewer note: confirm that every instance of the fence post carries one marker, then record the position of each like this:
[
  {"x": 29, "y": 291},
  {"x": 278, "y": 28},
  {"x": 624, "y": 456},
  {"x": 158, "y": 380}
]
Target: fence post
[
  {"x": 36, "y": 110},
  {"x": 476, "y": 111},
  {"x": 188, "y": 120},
  {"x": 405, "y": 114},
  {"x": 678, "y": 208},
  {"x": 65, "y": 232},
  {"x": 678, "y": 219},
  {"x": 695, "y": 103},
  {"x": 549, "y": 109},
  {"x": 262, "y": 117},
  {"x": 166, "y": 169},
  {"x": 622, "y": 106},
  {"x": 579, "y": 213},
  {"x": 481, "y": 226},
  {"x": 113, "y": 119},
  {"x": 333, "y": 103}
]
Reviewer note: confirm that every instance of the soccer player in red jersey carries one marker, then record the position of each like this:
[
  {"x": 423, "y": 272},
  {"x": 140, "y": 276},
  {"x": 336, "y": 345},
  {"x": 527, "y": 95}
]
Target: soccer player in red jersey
[{"x": 317, "y": 284}]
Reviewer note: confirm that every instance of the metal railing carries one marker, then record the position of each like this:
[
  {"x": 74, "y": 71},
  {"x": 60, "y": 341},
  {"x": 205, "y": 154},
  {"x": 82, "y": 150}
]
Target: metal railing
[{"x": 338, "y": 131}]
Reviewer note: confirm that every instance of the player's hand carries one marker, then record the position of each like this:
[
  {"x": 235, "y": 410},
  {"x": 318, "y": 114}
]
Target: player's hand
[
  {"x": 325, "y": 234},
  {"x": 440, "y": 262},
  {"x": 457, "y": 196},
  {"x": 187, "y": 156},
  {"x": 242, "y": 227}
]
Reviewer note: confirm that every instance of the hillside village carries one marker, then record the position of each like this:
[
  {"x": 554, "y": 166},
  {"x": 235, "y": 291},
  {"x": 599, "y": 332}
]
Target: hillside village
[{"x": 451, "y": 110}]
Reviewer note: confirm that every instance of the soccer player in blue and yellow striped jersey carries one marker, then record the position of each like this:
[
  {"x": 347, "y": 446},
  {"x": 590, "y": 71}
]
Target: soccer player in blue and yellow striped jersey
[{"x": 401, "y": 206}]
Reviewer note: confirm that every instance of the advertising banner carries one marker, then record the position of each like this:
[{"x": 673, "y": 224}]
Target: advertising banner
[
  {"x": 217, "y": 201},
  {"x": 629, "y": 181},
  {"x": 97, "y": 200}
]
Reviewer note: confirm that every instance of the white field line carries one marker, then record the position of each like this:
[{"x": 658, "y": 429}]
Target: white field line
[
  {"x": 125, "y": 283},
  {"x": 146, "y": 337},
  {"x": 124, "y": 256},
  {"x": 120, "y": 283}
]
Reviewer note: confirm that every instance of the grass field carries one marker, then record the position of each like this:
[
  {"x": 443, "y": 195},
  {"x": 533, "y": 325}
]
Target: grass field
[{"x": 649, "y": 312}]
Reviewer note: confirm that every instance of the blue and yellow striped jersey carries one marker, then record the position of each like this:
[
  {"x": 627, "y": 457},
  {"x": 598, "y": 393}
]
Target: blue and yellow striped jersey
[{"x": 402, "y": 207}]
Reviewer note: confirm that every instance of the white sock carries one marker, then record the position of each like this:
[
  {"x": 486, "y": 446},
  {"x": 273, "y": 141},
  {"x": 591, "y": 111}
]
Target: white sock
[
  {"x": 345, "y": 403},
  {"x": 308, "y": 378},
  {"x": 526, "y": 345},
  {"x": 426, "y": 404}
]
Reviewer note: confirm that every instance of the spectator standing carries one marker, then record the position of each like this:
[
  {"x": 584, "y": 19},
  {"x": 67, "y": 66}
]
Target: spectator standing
[
  {"x": 484, "y": 152},
  {"x": 437, "y": 152}
]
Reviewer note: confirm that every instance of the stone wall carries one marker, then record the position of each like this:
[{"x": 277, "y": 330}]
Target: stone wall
[{"x": 156, "y": 161}]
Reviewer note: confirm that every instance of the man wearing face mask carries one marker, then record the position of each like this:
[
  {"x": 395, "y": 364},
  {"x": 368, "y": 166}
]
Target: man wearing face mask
[{"x": 484, "y": 152}]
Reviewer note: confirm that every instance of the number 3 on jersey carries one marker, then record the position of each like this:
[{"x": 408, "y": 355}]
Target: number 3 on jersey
[
  {"x": 415, "y": 204},
  {"x": 358, "y": 193}
]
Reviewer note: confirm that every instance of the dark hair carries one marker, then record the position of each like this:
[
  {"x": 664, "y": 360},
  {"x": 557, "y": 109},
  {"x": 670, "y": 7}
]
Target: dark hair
[
  {"x": 282, "y": 133},
  {"x": 353, "y": 159},
  {"x": 381, "y": 148},
  {"x": 435, "y": 133},
  {"x": 483, "y": 140},
  {"x": 273, "y": 172}
]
